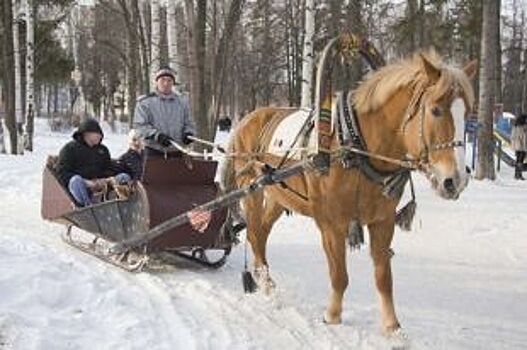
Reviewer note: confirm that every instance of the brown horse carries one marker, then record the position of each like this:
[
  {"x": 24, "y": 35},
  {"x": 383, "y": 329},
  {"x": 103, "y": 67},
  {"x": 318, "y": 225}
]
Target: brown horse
[{"x": 413, "y": 109}]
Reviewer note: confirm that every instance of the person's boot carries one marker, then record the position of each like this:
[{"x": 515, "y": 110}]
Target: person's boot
[{"x": 518, "y": 174}]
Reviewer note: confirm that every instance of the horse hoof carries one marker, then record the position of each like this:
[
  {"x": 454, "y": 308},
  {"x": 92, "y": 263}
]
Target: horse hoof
[
  {"x": 396, "y": 333},
  {"x": 331, "y": 320},
  {"x": 263, "y": 280}
]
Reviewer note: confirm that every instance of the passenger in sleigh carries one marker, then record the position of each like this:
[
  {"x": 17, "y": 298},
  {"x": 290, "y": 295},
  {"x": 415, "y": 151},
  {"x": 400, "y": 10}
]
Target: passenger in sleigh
[
  {"x": 84, "y": 165},
  {"x": 132, "y": 161}
]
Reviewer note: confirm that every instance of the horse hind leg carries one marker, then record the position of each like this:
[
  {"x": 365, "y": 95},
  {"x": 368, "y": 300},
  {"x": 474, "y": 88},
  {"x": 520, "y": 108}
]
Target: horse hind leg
[
  {"x": 381, "y": 235},
  {"x": 258, "y": 229}
]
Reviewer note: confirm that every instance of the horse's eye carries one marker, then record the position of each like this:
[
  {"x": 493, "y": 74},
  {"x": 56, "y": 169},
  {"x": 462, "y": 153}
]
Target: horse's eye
[{"x": 436, "y": 111}]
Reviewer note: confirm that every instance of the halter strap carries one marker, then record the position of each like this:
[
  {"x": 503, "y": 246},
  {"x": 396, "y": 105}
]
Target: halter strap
[{"x": 425, "y": 148}]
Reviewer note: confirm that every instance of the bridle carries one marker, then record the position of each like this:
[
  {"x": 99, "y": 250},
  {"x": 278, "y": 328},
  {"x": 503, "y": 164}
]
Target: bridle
[{"x": 417, "y": 103}]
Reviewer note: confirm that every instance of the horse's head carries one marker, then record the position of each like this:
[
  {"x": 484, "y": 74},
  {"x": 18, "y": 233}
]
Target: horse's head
[{"x": 433, "y": 128}]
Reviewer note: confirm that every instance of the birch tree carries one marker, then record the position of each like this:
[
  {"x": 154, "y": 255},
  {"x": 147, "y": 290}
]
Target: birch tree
[
  {"x": 156, "y": 38},
  {"x": 30, "y": 89},
  {"x": 307, "y": 62},
  {"x": 172, "y": 35}
]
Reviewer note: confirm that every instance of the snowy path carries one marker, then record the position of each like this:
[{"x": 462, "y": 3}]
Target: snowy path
[{"x": 460, "y": 281}]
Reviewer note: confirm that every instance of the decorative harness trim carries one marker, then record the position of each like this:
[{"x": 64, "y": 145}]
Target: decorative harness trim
[{"x": 351, "y": 135}]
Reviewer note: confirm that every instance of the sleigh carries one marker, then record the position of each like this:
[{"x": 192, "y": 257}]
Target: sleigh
[{"x": 168, "y": 189}]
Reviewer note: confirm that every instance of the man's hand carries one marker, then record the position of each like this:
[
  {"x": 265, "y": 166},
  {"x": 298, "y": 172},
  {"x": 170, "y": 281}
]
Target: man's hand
[
  {"x": 96, "y": 185},
  {"x": 163, "y": 139},
  {"x": 199, "y": 219}
]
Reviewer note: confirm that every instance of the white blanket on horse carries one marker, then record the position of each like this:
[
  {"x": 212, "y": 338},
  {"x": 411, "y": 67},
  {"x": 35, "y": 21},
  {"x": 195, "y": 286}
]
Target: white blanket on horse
[{"x": 286, "y": 136}]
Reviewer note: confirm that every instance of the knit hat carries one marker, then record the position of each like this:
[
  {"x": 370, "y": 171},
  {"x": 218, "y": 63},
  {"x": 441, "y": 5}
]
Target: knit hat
[
  {"x": 166, "y": 72},
  {"x": 88, "y": 125}
]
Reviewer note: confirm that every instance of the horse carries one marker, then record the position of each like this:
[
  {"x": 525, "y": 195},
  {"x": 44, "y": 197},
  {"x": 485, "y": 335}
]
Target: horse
[{"x": 412, "y": 109}]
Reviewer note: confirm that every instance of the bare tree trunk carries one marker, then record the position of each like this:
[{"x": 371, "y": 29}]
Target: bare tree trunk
[
  {"x": 30, "y": 88},
  {"x": 487, "y": 91},
  {"x": 156, "y": 38},
  {"x": 524, "y": 85},
  {"x": 289, "y": 52},
  {"x": 2, "y": 141},
  {"x": 221, "y": 61},
  {"x": 172, "y": 35},
  {"x": 48, "y": 102},
  {"x": 3, "y": 63},
  {"x": 191, "y": 54},
  {"x": 308, "y": 55},
  {"x": 414, "y": 37},
  {"x": 55, "y": 98},
  {"x": 131, "y": 67},
  {"x": 200, "y": 113},
  {"x": 18, "y": 82},
  {"x": 9, "y": 75},
  {"x": 137, "y": 18},
  {"x": 499, "y": 85},
  {"x": 2, "y": 109}
]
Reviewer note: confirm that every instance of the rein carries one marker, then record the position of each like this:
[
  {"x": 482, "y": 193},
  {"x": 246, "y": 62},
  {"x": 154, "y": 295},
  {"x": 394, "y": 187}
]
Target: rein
[{"x": 422, "y": 163}]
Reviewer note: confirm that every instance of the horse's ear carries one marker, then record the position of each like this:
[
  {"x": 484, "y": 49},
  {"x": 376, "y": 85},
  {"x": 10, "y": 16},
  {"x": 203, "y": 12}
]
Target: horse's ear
[
  {"x": 431, "y": 71},
  {"x": 470, "y": 69}
]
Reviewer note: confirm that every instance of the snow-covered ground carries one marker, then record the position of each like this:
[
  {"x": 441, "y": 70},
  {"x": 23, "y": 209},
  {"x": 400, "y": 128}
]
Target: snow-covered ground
[{"x": 460, "y": 280}]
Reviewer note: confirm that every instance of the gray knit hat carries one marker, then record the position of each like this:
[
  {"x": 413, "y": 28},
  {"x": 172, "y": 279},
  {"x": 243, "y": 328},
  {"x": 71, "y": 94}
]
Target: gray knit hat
[{"x": 166, "y": 72}]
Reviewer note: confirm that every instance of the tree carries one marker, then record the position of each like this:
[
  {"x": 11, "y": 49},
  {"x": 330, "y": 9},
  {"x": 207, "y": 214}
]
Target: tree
[
  {"x": 8, "y": 74},
  {"x": 155, "y": 61},
  {"x": 308, "y": 55},
  {"x": 200, "y": 89},
  {"x": 221, "y": 61},
  {"x": 487, "y": 91},
  {"x": 18, "y": 103},
  {"x": 513, "y": 85},
  {"x": 30, "y": 87},
  {"x": 172, "y": 35}
]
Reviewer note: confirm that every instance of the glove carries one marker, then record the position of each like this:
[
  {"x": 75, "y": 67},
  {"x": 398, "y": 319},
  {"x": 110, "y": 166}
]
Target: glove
[
  {"x": 163, "y": 139},
  {"x": 186, "y": 139}
]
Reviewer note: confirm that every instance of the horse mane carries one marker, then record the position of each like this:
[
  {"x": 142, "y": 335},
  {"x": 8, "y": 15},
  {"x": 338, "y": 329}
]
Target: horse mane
[{"x": 380, "y": 85}]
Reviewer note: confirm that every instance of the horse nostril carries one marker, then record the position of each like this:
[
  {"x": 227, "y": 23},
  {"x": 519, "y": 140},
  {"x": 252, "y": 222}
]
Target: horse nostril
[
  {"x": 467, "y": 169},
  {"x": 448, "y": 184}
]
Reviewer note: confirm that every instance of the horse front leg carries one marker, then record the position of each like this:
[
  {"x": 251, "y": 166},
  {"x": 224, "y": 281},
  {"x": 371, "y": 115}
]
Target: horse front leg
[
  {"x": 381, "y": 235},
  {"x": 261, "y": 215},
  {"x": 334, "y": 242}
]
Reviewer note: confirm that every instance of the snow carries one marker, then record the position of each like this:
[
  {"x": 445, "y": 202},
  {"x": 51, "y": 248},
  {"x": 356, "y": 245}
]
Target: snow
[{"x": 459, "y": 280}]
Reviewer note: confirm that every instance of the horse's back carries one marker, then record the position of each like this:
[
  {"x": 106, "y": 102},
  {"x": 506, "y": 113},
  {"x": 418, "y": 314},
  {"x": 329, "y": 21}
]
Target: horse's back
[{"x": 257, "y": 124}]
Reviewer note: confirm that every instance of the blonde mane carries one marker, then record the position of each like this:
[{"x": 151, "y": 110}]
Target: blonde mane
[{"x": 381, "y": 85}]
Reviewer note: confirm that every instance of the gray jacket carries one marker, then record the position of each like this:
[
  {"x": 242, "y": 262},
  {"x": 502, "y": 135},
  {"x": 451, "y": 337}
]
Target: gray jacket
[{"x": 168, "y": 114}]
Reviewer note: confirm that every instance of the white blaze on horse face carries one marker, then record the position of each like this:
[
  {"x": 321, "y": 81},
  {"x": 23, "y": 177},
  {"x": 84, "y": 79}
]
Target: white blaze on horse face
[
  {"x": 458, "y": 114},
  {"x": 455, "y": 173},
  {"x": 457, "y": 111}
]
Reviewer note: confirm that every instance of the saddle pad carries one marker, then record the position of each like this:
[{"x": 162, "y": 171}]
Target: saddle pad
[{"x": 284, "y": 135}]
